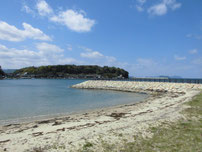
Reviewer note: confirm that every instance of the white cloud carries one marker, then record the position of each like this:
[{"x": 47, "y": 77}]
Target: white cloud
[
  {"x": 162, "y": 7},
  {"x": 48, "y": 48},
  {"x": 175, "y": 6},
  {"x": 49, "y": 54},
  {"x": 75, "y": 21},
  {"x": 85, "y": 48},
  {"x": 45, "y": 54},
  {"x": 28, "y": 10},
  {"x": 139, "y": 5},
  {"x": 11, "y": 33},
  {"x": 89, "y": 53},
  {"x": 2, "y": 47},
  {"x": 96, "y": 57},
  {"x": 139, "y": 8},
  {"x": 141, "y": 1},
  {"x": 72, "y": 19},
  {"x": 68, "y": 61},
  {"x": 34, "y": 33},
  {"x": 69, "y": 47},
  {"x": 43, "y": 8},
  {"x": 194, "y": 51},
  {"x": 179, "y": 58},
  {"x": 14, "y": 58},
  {"x": 92, "y": 55},
  {"x": 172, "y": 4},
  {"x": 159, "y": 9}
]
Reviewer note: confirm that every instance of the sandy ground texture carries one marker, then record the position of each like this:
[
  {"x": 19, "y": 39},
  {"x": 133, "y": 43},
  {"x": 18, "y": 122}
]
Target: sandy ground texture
[{"x": 68, "y": 133}]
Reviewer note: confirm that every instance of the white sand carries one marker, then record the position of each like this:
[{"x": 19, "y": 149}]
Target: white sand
[{"x": 73, "y": 130}]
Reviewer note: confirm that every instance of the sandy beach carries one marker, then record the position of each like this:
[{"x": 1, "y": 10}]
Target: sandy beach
[{"x": 68, "y": 133}]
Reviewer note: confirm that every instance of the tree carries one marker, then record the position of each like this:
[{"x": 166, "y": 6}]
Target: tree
[{"x": 1, "y": 72}]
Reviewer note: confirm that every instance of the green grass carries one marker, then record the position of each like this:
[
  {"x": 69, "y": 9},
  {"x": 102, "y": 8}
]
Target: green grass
[
  {"x": 183, "y": 136},
  {"x": 87, "y": 147}
]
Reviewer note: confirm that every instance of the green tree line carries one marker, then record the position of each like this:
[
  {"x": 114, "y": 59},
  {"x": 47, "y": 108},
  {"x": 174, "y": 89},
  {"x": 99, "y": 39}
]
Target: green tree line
[{"x": 54, "y": 70}]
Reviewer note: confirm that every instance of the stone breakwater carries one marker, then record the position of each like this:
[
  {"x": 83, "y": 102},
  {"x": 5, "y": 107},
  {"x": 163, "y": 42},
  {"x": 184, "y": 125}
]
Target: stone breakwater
[{"x": 132, "y": 86}]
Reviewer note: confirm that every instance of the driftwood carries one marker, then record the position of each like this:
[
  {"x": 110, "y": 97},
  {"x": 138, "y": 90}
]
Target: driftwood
[
  {"x": 37, "y": 134},
  {"x": 44, "y": 122},
  {"x": 51, "y": 132},
  {"x": 102, "y": 122},
  {"x": 117, "y": 115},
  {"x": 63, "y": 129},
  {"x": 71, "y": 128},
  {"x": 57, "y": 123},
  {"x": 4, "y": 141}
]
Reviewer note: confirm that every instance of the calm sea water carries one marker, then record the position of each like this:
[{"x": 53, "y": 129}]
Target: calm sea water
[{"x": 31, "y": 98}]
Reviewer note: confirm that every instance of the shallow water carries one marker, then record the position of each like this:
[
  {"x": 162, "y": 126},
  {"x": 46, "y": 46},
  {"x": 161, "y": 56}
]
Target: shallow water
[{"x": 25, "y": 98}]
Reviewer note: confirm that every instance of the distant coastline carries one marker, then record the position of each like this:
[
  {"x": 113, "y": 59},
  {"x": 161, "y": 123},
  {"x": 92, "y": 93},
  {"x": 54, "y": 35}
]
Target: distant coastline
[{"x": 87, "y": 72}]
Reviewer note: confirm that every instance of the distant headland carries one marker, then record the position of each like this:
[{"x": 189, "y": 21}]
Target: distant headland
[
  {"x": 69, "y": 72},
  {"x": 2, "y": 74}
]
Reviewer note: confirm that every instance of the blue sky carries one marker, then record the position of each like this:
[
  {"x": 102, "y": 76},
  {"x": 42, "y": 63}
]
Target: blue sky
[{"x": 145, "y": 37}]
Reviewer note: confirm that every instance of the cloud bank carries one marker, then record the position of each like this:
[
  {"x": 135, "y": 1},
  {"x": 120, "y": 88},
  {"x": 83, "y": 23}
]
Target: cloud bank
[
  {"x": 158, "y": 9},
  {"x": 11, "y": 33},
  {"x": 72, "y": 19}
]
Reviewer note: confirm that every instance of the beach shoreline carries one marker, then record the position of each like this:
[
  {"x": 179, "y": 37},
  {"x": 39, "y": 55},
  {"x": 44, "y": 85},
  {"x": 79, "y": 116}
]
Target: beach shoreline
[
  {"x": 31, "y": 119},
  {"x": 74, "y": 129}
]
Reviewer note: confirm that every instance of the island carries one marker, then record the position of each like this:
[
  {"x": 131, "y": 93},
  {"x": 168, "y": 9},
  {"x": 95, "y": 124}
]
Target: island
[
  {"x": 2, "y": 74},
  {"x": 71, "y": 72}
]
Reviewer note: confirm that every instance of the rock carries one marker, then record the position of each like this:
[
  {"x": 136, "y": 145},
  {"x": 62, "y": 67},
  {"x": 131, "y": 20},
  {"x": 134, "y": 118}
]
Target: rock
[
  {"x": 57, "y": 123},
  {"x": 35, "y": 126}
]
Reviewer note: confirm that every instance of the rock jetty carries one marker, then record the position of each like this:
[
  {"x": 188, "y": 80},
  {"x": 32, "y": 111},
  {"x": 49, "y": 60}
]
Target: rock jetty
[{"x": 132, "y": 86}]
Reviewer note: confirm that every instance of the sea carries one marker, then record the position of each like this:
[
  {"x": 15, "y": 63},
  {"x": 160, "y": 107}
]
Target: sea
[{"x": 33, "y": 99}]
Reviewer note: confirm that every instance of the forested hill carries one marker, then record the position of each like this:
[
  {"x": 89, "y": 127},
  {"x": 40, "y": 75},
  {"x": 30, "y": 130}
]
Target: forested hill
[
  {"x": 1, "y": 72},
  {"x": 72, "y": 71}
]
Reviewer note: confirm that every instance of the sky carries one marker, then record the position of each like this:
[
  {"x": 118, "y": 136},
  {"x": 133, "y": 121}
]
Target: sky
[{"x": 145, "y": 37}]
